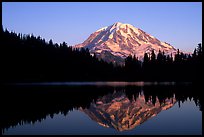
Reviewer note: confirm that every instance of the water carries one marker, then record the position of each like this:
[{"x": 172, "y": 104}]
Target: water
[{"x": 107, "y": 108}]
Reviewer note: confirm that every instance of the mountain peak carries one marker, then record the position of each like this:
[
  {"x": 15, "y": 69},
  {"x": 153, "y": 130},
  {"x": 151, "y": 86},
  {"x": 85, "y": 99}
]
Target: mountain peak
[
  {"x": 123, "y": 25},
  {"x": 117, "y": 24},
  {"x": 122, "y": 40}
]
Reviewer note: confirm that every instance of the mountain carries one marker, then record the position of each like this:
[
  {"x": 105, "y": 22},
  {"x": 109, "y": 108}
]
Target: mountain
[
  {"x": 119, "y": 112},
  {"x": 121, "y": 40}
]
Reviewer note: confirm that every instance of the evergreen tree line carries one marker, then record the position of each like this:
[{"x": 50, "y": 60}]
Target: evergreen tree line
[
  {"x": 26, "y": 58},
  {"x": 162, "y": 67},
  {"x": 30, "y": 58}
]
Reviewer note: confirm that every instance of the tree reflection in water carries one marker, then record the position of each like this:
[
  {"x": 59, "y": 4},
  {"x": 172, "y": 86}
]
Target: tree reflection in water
[
  {"x": 117, "y": 111},
  {"x": 120, "y": 107}
]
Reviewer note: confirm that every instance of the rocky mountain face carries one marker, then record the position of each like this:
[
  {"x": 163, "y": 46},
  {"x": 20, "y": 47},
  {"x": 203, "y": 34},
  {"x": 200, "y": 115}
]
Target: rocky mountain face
[
  {"x": 119, "y": 112},
  {"x": 121, "y": 40}
]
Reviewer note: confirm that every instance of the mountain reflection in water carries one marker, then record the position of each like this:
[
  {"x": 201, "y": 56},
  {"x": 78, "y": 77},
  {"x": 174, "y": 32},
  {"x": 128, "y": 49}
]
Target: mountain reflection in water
[
  {"x": 117, "y": 111},
  {"x": 119, "y": 107}
]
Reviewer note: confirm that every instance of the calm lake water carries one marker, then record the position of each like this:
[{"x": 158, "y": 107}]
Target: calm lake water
[{"x": 101, "y": 108}]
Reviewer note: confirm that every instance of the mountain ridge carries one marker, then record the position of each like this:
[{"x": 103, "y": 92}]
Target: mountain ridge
[{"x": 122, "y": 40}]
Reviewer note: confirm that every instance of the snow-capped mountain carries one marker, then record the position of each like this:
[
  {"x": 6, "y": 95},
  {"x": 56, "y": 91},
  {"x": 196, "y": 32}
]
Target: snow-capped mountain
[{"x": 122, "y": 40}]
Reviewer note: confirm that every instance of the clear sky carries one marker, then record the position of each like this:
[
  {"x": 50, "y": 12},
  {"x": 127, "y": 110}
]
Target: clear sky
[{"x": 177, "y": 23}]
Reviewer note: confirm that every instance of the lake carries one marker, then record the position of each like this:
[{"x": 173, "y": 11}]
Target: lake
[{"x": 101, "y": 108}]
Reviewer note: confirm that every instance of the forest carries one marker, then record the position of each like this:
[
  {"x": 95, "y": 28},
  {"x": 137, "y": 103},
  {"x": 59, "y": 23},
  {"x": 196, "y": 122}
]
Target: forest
[{"x": 27, "y": 58}]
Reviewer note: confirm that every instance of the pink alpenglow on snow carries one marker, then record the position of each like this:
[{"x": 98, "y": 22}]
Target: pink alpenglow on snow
[{"x": 122, "y": 40}]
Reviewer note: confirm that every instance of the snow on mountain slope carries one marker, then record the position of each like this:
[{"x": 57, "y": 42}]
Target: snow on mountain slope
[{"x": 122, "y": 40}]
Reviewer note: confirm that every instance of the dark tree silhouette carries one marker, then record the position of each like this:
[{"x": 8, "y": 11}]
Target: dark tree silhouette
[
  {"x": 16, "y": 99},
  {"x": 26, "y": 58}
]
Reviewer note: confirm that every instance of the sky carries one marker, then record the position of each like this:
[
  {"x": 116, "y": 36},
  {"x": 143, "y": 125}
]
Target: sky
[{"x": 177, "y": 23}]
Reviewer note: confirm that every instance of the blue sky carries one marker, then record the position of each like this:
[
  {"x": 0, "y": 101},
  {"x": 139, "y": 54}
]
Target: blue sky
[{"x": 178, "y": 23}]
